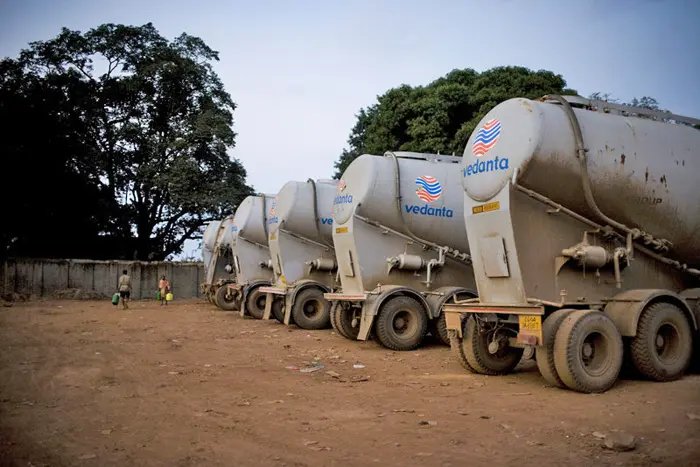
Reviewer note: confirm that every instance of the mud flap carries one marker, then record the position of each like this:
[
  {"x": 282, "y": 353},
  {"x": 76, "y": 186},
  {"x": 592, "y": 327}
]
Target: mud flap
[
  {"x": 454, "y": 322},
  {"x": 268, "y": 306},
  {"x": 369, "y": 311},
  {"x": 287, "y": 311}
]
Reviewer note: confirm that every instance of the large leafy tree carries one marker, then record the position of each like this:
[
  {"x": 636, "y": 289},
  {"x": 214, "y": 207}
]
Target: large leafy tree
[
  {"x": 152, "y": 124},
  {"x": 440, "y": 116}
]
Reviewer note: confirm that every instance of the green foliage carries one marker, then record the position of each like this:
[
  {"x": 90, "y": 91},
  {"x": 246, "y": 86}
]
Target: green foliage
[
  {"x": 145, "y": 122},
  {"x": 645, "y": 102},
  {"x": 441, "y": 116}
]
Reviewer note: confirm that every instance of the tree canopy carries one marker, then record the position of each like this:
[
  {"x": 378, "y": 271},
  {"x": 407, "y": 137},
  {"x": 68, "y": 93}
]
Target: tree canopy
[
  {"x": 440, "y": 116},
  {"x": 116, "y": 144}
]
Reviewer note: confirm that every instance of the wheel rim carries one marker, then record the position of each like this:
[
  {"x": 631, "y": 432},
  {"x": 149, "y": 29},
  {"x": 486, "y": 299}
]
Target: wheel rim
[
  {"x": 260, "y": 302},
  {"x": 404, "y": 324},
  {"x": 595, "y": 354},
  {"x": 311, "y": 308},
  {"x": 667, "y": 343},
  {"x": 229, "y": 297},
  {"x": 492, "y": 342}
]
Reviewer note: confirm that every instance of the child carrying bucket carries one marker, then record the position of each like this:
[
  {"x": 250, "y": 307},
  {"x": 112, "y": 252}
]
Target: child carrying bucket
[{"x": 164, "y": 289}]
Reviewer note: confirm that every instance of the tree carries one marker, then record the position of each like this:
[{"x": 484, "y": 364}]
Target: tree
[
  {"x": 440, "y": 116},
  {"x": 153, "y": 124},
  {"x": 645, "y": 102}
]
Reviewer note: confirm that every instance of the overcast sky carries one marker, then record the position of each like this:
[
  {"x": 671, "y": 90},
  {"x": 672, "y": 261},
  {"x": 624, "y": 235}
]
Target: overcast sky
[{"x": 300, "y": 70}]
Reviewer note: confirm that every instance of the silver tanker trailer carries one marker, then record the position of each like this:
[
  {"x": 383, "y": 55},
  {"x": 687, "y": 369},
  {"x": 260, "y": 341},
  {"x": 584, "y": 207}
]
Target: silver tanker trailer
[
  {"x": 218, "y": 258},
  {"x": 251, "y": 258},
  {"x": 301, "y": 249},
  {"x": 401, "y": 245},
  {"x": 583, "y": 219}
]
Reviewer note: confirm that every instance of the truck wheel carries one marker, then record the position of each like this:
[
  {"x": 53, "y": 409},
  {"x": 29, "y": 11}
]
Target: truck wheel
[
  {"x": 228, "y": 304},
  {"x": 483, "y": 360},
  {"x": 438, "y": 328},
  {"x": 343, "y": 318},
  {"x": 278, "y": 309},
  {"x": 401, "y": 324},
  {"x": 457, "y": 347},
  {"x": 255, "y": 303},
  {"x": 311, "y": 310},
  {"x": 544, "y": 355},
  {"x": 332, "y": 316},
  {"x": 663, "y": 346},
  {"x": 588, "y": 351}
]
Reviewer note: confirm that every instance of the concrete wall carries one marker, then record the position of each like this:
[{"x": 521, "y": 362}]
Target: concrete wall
[{"x": 47, "y": 277}]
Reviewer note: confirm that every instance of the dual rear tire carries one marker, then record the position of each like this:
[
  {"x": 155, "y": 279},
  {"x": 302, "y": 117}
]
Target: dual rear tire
[
  {"x": 483, "y": 348},
  {"x": 225, "y": 300},
  {"x": 584, "y": 351}
]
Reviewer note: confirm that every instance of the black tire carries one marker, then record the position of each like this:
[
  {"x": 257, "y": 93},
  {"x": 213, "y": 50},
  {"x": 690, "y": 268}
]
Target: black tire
[
  {"x": 278, "y": 309},
  {"x": 228, "y": 304},
  {"x": 593, "y": 333},
  {"x": 402, "y": 323},
  {"x": 663, "y": 347},
  {"x": 332, "y": 316},
  {"x": 311, "y": 310},
  {"x": 476, "y": 351},
  {"x": 544, "y": 354},
  {"x": 255, "y": 303},
  {"x": 343, "y": 322},
  {"x": 438, "y": 328},
  {"x": 457, "y": 347}
]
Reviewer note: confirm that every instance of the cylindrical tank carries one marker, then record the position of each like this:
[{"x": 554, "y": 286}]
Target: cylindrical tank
[
  {"x": 208, "y": 243},
  {"x": 209, "y": 236},
  {"x": 226, "y": 236},
  {"x": 431, "y": 196},
  {"x": 293, "y": 209},
  {"x": 643, "y": 173},
  {"x": 251, "y": 219}
]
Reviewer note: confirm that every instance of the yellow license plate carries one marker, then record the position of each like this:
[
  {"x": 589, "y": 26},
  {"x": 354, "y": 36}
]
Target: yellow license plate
[{"x": 530, "y": 324}]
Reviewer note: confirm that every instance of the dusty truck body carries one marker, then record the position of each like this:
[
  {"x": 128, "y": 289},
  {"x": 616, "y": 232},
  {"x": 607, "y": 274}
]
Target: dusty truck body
[
  {"x": 251, "y": 257},
  {"x": 303, "y": 258},
  {"x": 400, "y": 245},
  {"x": 582, "y": 219},
  {"x": 218, "y": 258}
]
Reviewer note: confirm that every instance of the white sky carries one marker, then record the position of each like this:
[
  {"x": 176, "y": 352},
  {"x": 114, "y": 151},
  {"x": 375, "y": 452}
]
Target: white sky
[{"x": 300, "y": 70}]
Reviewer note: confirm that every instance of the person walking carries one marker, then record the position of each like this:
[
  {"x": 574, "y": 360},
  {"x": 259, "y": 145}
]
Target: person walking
[
  {"x": 125, "y": 289},
  {"x": 164, "y": 286}
]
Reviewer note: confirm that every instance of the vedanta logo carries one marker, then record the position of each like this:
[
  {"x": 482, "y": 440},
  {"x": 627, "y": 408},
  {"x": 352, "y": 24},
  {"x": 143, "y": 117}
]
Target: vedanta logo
[
  {"x": 485, "y": 166},
  {"x": 343, "y": 199},
  {"x": 426, "y": 210}
]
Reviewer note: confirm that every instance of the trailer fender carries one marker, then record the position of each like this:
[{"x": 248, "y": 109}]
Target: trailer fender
[
  {"x": 298, "y": 287},
  {"x": 437, "y": 301},
  {"x": 625, "y": 308},
  {"x": 374, "y": 302},
  {"x": 692, "y": 297}
]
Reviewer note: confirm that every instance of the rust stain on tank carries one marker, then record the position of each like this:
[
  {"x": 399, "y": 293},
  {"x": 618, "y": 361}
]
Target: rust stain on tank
[
  {"x": 646, "y": 175},
  {"x": 622, "y": 159},
  {"x": 663, "y": 180}
]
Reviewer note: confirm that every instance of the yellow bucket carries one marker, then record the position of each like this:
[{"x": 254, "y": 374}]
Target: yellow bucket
[{"x": 169, "y": 297}]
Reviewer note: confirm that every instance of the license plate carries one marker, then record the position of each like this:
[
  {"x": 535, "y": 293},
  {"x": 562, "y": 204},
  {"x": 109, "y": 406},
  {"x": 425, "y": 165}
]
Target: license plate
[{"x": 530, "y": 324}]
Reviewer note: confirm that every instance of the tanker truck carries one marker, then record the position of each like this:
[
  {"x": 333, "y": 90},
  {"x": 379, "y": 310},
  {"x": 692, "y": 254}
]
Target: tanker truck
[
  {"x": 218, "y": 258},
  {"x": 400, "y": 245},
  {"x": 303, "y": 258},
  {"x": 251, "y": 258},
  {"x": 583, "y": 220}
]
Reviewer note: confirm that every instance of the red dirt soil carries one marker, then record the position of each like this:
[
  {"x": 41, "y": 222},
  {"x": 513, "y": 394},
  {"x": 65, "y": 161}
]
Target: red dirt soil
[{"x": 85, "y": 383}]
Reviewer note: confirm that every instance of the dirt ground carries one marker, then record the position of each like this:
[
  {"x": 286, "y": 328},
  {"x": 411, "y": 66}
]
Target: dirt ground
[{"x": 84, "y": 383}]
